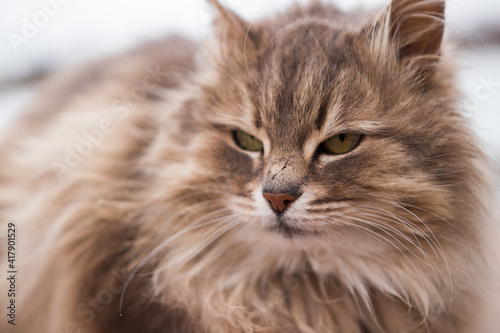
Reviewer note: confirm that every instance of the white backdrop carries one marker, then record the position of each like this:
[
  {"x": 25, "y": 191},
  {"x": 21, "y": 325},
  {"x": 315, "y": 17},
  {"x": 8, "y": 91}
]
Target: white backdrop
[{"x": 69, "y": 31}]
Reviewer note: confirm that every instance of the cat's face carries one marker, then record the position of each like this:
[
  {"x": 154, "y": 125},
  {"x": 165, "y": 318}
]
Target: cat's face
[{"x": 309, "y": 132}]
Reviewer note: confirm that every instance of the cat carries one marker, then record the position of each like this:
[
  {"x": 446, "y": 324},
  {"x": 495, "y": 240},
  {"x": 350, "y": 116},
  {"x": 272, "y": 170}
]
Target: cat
[{"x": 309, "y": 172}]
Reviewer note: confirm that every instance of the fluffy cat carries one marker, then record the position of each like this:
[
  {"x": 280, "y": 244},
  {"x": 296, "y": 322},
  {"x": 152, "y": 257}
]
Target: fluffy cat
[{"x": 309, "y": 172}]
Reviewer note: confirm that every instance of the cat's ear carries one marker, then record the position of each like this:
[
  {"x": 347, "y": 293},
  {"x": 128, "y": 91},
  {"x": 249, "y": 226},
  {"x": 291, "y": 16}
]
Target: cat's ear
[
  {"x": 416, "y": 26},
  {"x": 237, "y": 40},
  {"x": 408, "y": 29},
  {"x": 408, "y": 36}
]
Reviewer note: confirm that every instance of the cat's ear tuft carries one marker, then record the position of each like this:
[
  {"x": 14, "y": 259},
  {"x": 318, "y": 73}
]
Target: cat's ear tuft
[
  {"x": 237, "y": 40},
  {"x": 416, "y": 26}
]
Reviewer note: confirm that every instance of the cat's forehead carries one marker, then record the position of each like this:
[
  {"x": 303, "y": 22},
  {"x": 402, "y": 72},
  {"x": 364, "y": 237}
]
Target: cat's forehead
[{"x": 310, "y": 77}]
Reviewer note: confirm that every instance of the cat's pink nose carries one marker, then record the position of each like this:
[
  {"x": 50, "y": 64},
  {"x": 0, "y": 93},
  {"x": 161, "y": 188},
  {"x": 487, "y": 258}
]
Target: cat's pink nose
[{"x": 279, "y": 201}]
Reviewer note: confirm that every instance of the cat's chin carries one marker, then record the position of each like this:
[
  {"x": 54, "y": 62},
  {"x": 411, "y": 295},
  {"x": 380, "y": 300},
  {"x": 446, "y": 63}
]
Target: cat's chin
[{"x": 287, "y": 230}]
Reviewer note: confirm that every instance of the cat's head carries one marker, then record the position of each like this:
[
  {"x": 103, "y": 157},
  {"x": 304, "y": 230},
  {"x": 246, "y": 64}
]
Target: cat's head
[{"x": 317, "y": 121}]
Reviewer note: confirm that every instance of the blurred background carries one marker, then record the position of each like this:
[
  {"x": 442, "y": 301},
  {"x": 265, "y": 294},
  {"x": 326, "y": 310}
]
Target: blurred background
[{"x": 39, "y": 37}]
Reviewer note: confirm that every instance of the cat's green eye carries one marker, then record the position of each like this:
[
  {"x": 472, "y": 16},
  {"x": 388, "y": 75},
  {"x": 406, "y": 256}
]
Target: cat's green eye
[
  {"x": 247, "y": 142},
  {"x": 341, "y": 143}
]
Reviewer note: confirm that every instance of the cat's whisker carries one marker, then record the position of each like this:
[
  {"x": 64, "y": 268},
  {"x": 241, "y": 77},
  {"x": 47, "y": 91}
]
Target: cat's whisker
[
  {"x": 383, "y": 229},
  {"x": 377, "y": 236},
  {"x": 207, "y": 241},
  {"x": 175, "y": 216},
  {"x": 429, "y": 239},
  {"x": 392, "y": 216},
  {"x": 462, "y": 236},
  {"x": 333, "y": 235},
  {"x": 412, "y": 231},
  {"x": 438, "y": 244},
  {"x": 389, "y": 224},
  {"x": 418, "y": 233},
  {"x": 393, "y": 221},
  {"x": 397, "y": 220},
  {"x": 433, "y": 214},
  {"x": 193, "y": 226}
]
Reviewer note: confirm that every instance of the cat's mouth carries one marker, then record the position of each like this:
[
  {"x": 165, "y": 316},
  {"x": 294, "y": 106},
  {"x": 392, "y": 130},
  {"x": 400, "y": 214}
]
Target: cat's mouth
[{"x": 289, "y": 231}]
